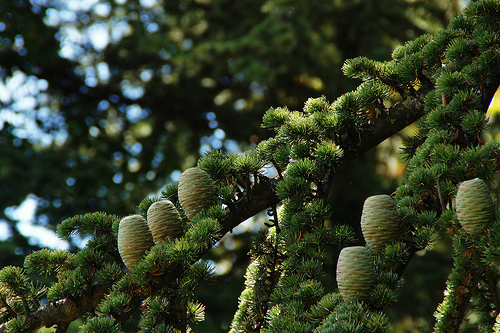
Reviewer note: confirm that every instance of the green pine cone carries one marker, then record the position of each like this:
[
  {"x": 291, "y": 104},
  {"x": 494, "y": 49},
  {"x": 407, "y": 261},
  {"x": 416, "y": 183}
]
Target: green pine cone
[
  {"x": 379, "y": 222},
  {"x": 474, "y": 206},
  {"x": 164, "y": 221},
  {"x": 355, "y": 273},
  {"x": 134, "y": 239},
  {"x": 196, "y": 191}
]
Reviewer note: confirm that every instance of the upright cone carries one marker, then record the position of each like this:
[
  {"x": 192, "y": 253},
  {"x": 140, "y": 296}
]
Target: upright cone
[
  {"x": 355, "y": 273},
  {"x": 164, "y": 221},
  {"x": 196, "y": 191},
  {"x": 134, "y": 239},
  {"x": 474, "y": 206},
  {"x": 379, "y": 222}
]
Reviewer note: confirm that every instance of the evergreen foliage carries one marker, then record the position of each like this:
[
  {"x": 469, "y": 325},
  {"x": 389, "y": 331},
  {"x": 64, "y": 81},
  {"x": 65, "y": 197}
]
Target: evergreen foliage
[
  {"x": 124, "y": 108},
  {"x": 445, "y": 79}
]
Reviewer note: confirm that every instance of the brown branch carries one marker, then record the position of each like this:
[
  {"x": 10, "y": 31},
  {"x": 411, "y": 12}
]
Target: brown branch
[
  {"x": 463, "y": 300},
  {"x": 61, "y": 328},
  {"x": 459, "y": 293},
  {"x": 259, "y": 197},
  {"x": 440, "y": 196},
  {"x": 388, "y": 123},
  {"x": 273, "y": 274},
  {"x": 4, "y": 304},
  {"x": 25, "y": 304},
  {"x": 63, "y": 312},
  {"x": 263, "y": 193},
  {"x": 463, "y": 297},
  {"x": 183, "y": 317}
]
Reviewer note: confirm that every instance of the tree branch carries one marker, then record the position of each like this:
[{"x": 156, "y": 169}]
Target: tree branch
[
  {"x": 261, "y": 196},
  {"x": 388, "y": 123},
  {"x": 63, "y": 312}
]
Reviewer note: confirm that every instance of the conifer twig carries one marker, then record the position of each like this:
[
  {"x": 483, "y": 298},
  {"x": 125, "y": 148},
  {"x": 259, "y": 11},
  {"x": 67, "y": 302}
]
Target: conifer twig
[
  {"x": 64, "y": 311},
  {"x": 492, "y": 283},
  {"x": 25, "y": 304},
  {"x": 183, "y": 317},
  {"x": 273, "y": 277},
  {"x": 440, "y": 196},
  {"x": 10, "y": 311},
  {"x": 275, "y": 217},
  {"x": 253, "y": 201},
  {"x": 397, "y": 117}
]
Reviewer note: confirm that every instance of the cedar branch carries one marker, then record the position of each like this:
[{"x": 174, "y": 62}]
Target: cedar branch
[{"x": 261, "y": 196}]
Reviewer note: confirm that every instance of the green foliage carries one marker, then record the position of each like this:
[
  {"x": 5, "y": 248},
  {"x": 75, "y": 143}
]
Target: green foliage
[
  {"x": 316, "y": 105},
  {"x": 260, "y": 279},
  {"x": 394, "y": 254},
  {"x": 248, "y": 163},
  {"x": 170, "y": 192},
  {"x": 145, "y": 204},
  {"x": 17, "y": 325},
  {"x": 15, "y": 279},
  {"x": 218, "y": 164},
  {"x": 47, "y": 261},
  {"x": 328, "y": 152},
  {"x": 275, "y": 118},
  {"x": 362, "y": 68},
  {"x": 155, "y": 317},
  {"x": 109, "y": 274},
  {"x": 114, "y": 304},
  {"x": 87, "y": 225},
  {"x": 342, "y": 236},
  {"x": 205, "y": 233},
  {"x": 71, "y": 283},
  {"x": 444, "y": 77},
  {"x": 354, "y": 317},
  {"x": 94, "y": 146},
  {"x": 18, "y": 297},
  {"x": 101, "y": 325},
  {"x": 324, "y": 307},
  {"x": 293, "y": 189}
]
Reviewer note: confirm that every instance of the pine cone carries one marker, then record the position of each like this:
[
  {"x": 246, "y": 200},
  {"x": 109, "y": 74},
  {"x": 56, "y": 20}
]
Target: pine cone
[
  {"x": 164, "y": 221},
  {"x": 474, "y": 206},
  {"x": 134, "y": 239},
  {"x": 196, "y": 191},
  {"x": 355, "y": 273},
  {"x": 379, "y": 222}
]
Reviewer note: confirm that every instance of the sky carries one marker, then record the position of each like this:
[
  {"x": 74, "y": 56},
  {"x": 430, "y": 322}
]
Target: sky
[
  {"x": 24, "y": 102},
  {"x": 37, "y": 234}
]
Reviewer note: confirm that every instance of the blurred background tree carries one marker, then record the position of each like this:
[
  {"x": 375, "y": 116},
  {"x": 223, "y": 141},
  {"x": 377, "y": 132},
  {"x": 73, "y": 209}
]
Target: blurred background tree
[{"x": 105, "y": 102}]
